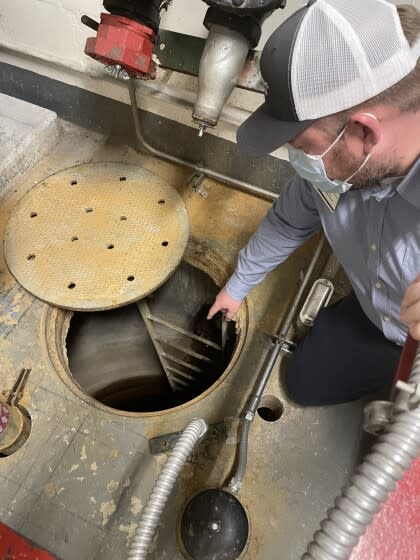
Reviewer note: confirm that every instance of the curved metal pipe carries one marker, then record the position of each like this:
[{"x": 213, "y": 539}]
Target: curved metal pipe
[
  {"x": 255, "y": 398},
  {"x": 149, "y": 520},
  {"x": 144, "y": 146},
  {"x": 370, "y": 486}
]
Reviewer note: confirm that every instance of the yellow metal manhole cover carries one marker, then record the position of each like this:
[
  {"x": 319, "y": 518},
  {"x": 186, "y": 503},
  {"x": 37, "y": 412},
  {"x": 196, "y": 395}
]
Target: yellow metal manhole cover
[{"x": 96, "y": 236}]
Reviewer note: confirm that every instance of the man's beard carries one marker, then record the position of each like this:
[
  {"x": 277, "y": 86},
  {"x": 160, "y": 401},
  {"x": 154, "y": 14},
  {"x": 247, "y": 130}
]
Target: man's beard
[{"x": 373, "y": 172}]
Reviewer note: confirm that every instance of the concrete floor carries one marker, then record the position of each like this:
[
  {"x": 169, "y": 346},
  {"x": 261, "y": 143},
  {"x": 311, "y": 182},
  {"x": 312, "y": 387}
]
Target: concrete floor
[{"x": 78, "y": 485}]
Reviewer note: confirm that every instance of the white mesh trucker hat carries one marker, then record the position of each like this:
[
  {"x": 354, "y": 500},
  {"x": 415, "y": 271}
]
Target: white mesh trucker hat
[{"x": 328, "y": 56}]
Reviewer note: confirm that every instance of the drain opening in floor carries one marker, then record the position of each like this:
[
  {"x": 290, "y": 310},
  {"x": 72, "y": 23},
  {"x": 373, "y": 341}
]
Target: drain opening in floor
[{"x": 112, "y": 357}]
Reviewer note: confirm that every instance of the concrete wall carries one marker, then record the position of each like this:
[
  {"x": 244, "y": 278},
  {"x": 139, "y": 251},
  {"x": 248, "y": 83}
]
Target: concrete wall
[{"x": 46, "y": 36}]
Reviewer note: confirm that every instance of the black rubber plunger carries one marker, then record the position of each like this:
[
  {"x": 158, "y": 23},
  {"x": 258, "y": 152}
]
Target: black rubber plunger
[{"x": 214, "y": 526}]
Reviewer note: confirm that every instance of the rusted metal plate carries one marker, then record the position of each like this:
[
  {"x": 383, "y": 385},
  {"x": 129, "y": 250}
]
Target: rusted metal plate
[
  {"x": 96, "y": 236},
  {"x": 165, "y": 443}
]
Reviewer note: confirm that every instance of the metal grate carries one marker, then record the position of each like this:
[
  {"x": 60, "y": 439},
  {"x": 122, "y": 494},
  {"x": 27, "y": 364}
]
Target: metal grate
[{"x": 180, "y": 373}]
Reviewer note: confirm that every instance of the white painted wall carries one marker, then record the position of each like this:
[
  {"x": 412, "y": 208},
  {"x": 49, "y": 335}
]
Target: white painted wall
[{"x": 46, "y": 36}]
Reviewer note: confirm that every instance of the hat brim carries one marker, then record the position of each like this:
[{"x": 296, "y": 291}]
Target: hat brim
[{"x": 262, "y": 133}]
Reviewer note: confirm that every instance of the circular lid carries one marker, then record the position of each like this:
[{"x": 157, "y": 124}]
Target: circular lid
[
  {"x": 214, "y": 524},
  {"x": 96, "y": 236}
]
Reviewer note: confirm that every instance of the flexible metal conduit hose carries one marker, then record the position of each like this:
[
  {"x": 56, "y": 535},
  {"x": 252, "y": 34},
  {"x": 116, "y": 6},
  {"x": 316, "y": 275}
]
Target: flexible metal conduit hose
[
  {"x": 149, "y": 520},
  {"x": 143, "y": 145},
  {"x": 255, "y": 398},
  {"x": 370, "y": 486}
]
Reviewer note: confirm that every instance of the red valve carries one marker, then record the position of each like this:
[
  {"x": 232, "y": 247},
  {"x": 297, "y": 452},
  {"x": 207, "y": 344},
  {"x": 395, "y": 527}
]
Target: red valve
[{"x": 123, "y": 41}]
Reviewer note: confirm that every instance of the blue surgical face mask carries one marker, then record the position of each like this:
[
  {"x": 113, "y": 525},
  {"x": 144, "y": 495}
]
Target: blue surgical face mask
[{"x": 312, "y": 168}]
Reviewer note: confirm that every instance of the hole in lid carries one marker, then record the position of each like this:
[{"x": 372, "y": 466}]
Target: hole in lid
[
  {"x": 162, "y": 46},
  {"x": 75, "y": 238},
  {"x": 73, "y": 182},
  {"x": 165, "y": 243},
  {"x": 161, "y": 201},
  {"x": 110, "y": 246},
  {"x": 88, "y": 210},
  {"x": 33, "y": 214},
  {"x": 123, "y": 178},
  {"x": 130, "y": 278},
  {"x": 123, "y": 218},
  {"x": 31, "y": 257},
  {"x": 71, "y": 286}
]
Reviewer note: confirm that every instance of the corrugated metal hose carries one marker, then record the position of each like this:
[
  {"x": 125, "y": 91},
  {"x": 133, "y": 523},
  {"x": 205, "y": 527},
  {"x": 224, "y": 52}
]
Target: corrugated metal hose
[
  {"x": 371, "y": 484},
  {"x": 163, "y": 487}
]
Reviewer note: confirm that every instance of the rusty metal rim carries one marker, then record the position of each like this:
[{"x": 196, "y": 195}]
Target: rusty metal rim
[
  {"x": 21, "y": 433},
  {"x": 55, "y": 324}
]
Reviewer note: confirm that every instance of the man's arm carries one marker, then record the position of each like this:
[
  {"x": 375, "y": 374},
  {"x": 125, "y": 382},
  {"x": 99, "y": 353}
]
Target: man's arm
[{"x": 291, "y": 220}]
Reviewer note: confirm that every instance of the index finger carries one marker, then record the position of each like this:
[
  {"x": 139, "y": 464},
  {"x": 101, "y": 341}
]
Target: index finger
[
  {"x": 215, "y": 308},
  {"x": 412, "y": 294}
]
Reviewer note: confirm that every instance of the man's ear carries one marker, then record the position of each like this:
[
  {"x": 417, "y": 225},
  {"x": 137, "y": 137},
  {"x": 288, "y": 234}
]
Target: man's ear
[{"x": 367, "y": 128}]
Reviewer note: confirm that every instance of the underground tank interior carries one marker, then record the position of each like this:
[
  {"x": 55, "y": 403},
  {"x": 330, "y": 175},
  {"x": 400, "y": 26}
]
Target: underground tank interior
[{"x": 112, "y": 357}]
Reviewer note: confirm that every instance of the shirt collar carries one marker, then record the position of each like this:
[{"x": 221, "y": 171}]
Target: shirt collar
[{"x": 409, "y": 188}]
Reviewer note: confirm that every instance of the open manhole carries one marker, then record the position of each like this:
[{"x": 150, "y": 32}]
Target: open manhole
[{"x": 110, "y": 358}]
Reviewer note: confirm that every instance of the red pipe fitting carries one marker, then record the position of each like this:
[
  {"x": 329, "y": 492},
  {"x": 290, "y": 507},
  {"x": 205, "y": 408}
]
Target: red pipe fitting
[
  {"x": 405, "y": 363},
  {"x": 122, "y": 41}
]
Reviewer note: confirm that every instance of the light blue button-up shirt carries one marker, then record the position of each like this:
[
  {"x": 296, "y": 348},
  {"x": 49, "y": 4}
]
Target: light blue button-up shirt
[{"x": 374, "y": 232}]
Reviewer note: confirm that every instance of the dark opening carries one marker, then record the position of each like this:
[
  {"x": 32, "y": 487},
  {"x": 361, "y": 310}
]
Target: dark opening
[
  {"x": 270, "y": 409},
  {"x": 112, "y": 356}
]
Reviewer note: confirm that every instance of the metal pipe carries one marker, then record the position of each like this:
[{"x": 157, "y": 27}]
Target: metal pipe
[
  {"x": 371, "y": 484},
  {"x": 149, "y": 520},
  {"x": 255, "y": 398},
  {"x": 221, "y": 65},
  {"x": 144, "y": 146},
  {"x": 186, "y": 99}
]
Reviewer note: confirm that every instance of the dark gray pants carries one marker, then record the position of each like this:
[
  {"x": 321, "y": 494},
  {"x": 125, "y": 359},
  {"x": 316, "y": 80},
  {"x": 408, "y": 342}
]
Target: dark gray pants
[{"x": 343, "y": 358}]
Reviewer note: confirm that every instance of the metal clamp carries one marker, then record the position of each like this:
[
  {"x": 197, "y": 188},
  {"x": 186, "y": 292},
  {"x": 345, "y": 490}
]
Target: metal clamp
[
  {"x": 249, "y": 416},
  {"x": 196, "y": 180},
  {"x": 235, "y": 485},
  {"x": 377, "y": 415},
  {"x": 289, "y": 347},
  {"x": 117, "y": 71},
  {"x": 410, "y": 394}
]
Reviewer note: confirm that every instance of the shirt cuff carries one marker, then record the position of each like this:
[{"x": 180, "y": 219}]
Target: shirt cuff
[{"x": 235, "y": 288}]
